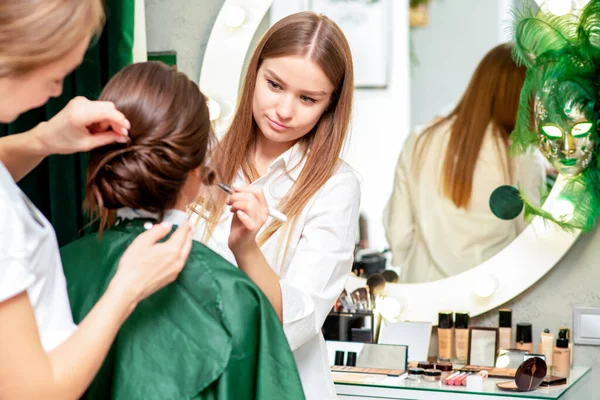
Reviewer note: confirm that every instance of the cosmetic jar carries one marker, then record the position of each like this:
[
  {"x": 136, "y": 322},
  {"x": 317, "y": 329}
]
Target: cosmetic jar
[
  {"x": 446, "y": 369},
  {"x": 415, "y": 374},
  {"x": 432, "y": 375},
  {"x": 425, "y": 365}
]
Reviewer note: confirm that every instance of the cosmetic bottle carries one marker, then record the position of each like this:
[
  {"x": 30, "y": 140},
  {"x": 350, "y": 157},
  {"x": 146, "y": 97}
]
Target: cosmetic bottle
[
  {"x": 505, "y": 329},
  {"x": 339, "y": 357},
  {"x": 546, "y": 347},
  {"x": 445, "y": 336},
  {"x": 461, "y": 336},
  {"x": 562, "y": 355},
  {"x": 568, "y": 332},
  {"x": 524, "y": 337}
]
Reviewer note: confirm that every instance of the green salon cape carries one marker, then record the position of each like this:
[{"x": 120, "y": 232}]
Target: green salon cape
[{"x": 212, "y": 334}]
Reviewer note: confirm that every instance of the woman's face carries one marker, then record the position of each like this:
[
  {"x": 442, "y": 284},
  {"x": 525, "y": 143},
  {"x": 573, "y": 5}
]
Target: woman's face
[
  {"x": 22, "y": 93},
  {"x": 290, "y": 96}
]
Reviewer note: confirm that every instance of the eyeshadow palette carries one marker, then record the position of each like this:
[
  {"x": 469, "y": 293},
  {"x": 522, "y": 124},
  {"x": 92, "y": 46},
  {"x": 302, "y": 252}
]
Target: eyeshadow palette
[{"x": 377, "y": 371}]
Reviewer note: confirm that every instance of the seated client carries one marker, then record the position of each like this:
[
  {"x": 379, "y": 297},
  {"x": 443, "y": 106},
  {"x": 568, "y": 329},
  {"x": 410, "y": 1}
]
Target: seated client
[{"x": 211, "y": 334}]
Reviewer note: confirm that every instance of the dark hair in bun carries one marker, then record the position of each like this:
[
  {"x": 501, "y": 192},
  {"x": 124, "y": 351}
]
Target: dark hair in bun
[{"x": 170, "y": 136}]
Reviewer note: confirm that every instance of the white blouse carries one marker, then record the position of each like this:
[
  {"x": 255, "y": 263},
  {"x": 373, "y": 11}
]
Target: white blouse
[
  {"x": 317, "y": 263},
  {"x": 430, "y": 238}
]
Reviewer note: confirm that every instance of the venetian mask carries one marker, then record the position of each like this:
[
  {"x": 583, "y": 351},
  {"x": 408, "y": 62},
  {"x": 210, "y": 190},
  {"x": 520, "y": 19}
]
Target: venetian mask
[{"x": 564, "y": 124}]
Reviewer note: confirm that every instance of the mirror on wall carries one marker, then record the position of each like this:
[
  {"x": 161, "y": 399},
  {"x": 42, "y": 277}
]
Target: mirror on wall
[
  {"x": 427, "y": 198},
  {"x": 427, "y": 70},
  {"x": 463, "y": 98}
]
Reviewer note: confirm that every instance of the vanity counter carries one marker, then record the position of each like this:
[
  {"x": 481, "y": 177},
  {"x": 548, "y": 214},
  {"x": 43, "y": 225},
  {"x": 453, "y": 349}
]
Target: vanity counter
[{"x": 578, "y": 387}]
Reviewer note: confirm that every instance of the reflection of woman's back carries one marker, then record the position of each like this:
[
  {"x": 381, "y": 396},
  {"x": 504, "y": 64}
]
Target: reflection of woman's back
[
  {"x": 438, "y": 220},
  {"x": 208, "y": 334}
]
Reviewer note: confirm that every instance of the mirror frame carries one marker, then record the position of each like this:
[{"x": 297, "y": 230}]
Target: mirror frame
[
  {"x": 509, "y": 273},
  {"x": 506, "y": 275}
]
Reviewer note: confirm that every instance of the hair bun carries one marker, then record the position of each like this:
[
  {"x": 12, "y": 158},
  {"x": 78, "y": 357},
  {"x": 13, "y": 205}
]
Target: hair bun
[{"x": 169, "y": 137}]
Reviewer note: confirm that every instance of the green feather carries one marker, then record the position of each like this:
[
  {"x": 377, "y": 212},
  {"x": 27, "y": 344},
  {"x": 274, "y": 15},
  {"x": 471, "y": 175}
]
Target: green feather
[
  {"x": 563, "y": 54},
  {"x": 542, "y": 34},
  {"x": 588, "y": 30}
]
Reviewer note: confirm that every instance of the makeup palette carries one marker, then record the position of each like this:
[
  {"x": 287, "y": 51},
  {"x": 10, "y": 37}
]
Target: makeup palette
[{"x": 380, "y": 371}]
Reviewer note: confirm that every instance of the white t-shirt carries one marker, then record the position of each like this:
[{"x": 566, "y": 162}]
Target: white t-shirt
[
  {"x": 316, "y": 265},
  {"x": 30, "y": 260}
]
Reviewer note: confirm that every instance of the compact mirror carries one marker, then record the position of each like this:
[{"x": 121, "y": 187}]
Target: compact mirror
[{"x": 529, "y": 376}]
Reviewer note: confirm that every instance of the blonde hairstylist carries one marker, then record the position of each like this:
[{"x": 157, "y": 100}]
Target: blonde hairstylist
[{"x": 42, "y": 353}]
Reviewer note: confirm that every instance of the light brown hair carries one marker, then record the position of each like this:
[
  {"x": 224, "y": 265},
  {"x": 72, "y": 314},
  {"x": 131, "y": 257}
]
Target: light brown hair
[
  {"x": 492, "y": 97},
  {"x": 170, "y": 136},
  {"x": 34, "y": 33},
  {"x": 320, "y": 40}
]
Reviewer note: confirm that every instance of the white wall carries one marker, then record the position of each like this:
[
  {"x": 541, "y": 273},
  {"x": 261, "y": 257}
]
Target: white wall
[
  {"x": 446, "y": 52},
  {"x": 380, "y": 124}
]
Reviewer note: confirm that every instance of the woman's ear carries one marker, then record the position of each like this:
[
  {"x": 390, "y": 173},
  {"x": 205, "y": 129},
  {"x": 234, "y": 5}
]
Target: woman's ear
[{"x": 207, "y": 175}]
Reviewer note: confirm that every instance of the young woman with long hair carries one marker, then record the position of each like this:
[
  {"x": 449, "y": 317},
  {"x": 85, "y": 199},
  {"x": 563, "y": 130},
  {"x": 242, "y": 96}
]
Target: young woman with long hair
[
  {"x": 283, "y": 150},
  {"x": 438, "y": 219}
]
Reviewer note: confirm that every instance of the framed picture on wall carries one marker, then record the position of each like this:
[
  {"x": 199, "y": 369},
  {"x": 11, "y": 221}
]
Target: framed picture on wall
[{"x": 366, "y": 26}]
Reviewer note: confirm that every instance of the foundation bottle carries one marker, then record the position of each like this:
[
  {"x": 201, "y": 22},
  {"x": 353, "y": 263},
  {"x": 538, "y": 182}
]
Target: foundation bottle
[
  {"x": 524, "y": 337},
  {"x": 445, "y": 336},
  {"x": 562, "y": 355},
  {"x": 505, "y": 328},
  {"x": 546, "y": 347},
  {"x": 461, "y": 336},
  {"x": 568, "y": 332}
]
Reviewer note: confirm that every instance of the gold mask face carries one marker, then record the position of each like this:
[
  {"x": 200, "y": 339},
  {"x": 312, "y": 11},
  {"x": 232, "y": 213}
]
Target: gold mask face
[{"x": 566, "y": 131}]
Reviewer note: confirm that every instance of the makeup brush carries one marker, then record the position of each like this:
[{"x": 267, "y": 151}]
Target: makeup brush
[{"x": 272, "y": 212}]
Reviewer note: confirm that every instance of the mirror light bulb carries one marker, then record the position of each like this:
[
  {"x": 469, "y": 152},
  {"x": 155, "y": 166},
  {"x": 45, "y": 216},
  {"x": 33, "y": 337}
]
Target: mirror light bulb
[
  {"x": 234, "y": 16},
  {"x": 389, "y": 308},
  {"x": 559, "y": 7},
  {"x": 485, "y": 286},
  {"x": 503, "y": 360},
  {"x": 214, "y": 110},
  {"x": 563, "y": 210}
]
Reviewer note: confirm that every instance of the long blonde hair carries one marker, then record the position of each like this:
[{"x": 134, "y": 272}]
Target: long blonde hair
[
  {"x": 318, "y": 38},
  {"x": 34, "y": 33},
  {"x": 492, "y": 97}
]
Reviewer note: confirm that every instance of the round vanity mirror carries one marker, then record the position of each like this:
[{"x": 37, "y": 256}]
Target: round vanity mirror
[{"x": 394, "y": 55}]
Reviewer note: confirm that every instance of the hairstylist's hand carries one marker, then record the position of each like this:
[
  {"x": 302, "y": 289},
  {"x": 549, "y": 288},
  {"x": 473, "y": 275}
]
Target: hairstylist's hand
[
  {"x": 83, "y": 125},
  {"x": 250, "y": 212},
  {"x": 147, "y": 266}
]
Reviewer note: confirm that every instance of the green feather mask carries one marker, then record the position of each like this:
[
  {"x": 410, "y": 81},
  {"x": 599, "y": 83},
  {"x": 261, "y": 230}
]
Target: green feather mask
[{"x": 559, "y": 107}]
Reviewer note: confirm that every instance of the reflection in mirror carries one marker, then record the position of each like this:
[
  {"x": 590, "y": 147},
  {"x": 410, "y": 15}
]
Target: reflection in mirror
[
  {"x": 415, "y": 335},
  {"x": 438, "y": 220},
  {"x": 510, "y": 358},
  {"x": 483, "y": 344},
  {"x": 368, "y": 355},
  {"x": 349, "y": 326}
]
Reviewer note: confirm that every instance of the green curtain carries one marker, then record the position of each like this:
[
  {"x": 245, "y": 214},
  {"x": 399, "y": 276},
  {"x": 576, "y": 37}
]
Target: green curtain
[{"x": 57, "y": 185}]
